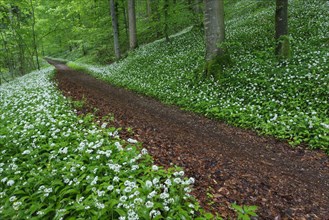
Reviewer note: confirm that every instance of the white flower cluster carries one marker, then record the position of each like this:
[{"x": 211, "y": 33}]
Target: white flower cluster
[{"x": 51, "y": 156}]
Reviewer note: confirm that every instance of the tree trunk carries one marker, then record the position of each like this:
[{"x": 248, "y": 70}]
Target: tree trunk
[
  {"x": 156, "y": 17},
  {"x": 115, "y": 30},
  {"x": 281, "y": 29},
  {"x": 125, "y": 22},
  {"x": 166, "y": 20},
  {"x": 34, "y": 36},
  {"x": 148, "y": 8},
  {"x": 132, "y": 24},
  {"x": 214, "y": 36},
  {"x": 214, "y": 28}
]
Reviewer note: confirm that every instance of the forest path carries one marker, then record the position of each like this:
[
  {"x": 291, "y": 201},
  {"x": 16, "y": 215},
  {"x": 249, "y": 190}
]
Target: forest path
[{"x": 232, "y": 164}]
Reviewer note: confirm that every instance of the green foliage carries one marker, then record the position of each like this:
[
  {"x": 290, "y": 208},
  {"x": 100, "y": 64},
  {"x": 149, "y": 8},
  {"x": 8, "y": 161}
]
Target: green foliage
[
  {"x": 214, "y": 68},
  {"x": 287, "y": 99},
  {"x": 57, "y": 165},
  {"x": 245, "y": 212},
  {"x": 284, "y": 48}
]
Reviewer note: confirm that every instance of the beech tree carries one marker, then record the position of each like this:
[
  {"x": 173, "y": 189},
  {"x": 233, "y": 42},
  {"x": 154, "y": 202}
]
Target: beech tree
[
  {"x": 282, "y": 49},
  {"x": 115, "y": 28},
  {"x": 214, "y": 36},
  {"x": 166, "y": 22},
  {"x": 34, "y": 36},
  {"x": 132, "y": 24}
]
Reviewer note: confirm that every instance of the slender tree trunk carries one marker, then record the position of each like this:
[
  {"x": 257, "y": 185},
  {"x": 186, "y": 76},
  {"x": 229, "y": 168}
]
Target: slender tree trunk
[
  {"x": 281, "y": 29},
  {"x": 115, "y": 29},
  {"x": 166, "y": 22},
  {"x": 132, "y": 24},
  {"x": 156, "y": 16},
  {"x": 214, "y": 28},
  {"x": 21, "y": 47},
  {"x": 8, "y": 57},
  {"x": 125, "y": 22},
  {"x": 35, "y": 46},
  {"x": 148, "y": 8},
  {"x": 214, "y": 36},
  {"x": 198, "y": 13}
]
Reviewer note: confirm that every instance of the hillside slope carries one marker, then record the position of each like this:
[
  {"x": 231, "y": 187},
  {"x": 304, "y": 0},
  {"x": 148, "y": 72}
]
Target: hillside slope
[{"x": 288, "y": 100}]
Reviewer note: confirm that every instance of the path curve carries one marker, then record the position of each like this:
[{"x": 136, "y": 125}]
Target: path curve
[{"x": 232, "y": 164}]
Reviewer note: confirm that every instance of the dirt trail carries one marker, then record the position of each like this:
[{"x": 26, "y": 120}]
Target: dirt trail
[{"x": 232, "y": 164}]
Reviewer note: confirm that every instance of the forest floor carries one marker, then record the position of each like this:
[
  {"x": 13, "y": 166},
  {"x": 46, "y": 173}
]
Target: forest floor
[{"x": 229, "y": 164}]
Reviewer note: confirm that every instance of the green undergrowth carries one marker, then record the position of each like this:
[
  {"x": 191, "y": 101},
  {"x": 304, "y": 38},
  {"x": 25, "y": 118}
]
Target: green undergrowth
[
  {"x": 55, "y": 164},
  {"x": 287, "y": 99}
]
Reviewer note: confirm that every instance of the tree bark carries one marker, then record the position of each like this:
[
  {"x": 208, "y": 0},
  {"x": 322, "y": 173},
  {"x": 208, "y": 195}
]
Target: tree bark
[
  {"x": 132, "y": 24},
  {"x": 34, "y": 36},
  {"x": 214, "y": 28},
  {"x": 281, "y": 28},
  {"x": 124, "y": 9},
  {"x": 166, "y": 19},
  {"x": 148, "y": 8},
  {"x": 115, "y": 30}
]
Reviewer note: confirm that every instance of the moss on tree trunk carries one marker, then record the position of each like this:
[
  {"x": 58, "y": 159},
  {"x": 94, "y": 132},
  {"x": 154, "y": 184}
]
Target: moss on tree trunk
[{"x": 214, "y": 67}]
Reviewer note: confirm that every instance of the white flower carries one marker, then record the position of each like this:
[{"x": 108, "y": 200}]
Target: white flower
[
  {"x": 164, "y": 195},
  {"x": 4, "y": 180},
  {"x": 152, "y": 194},
  {"x": 118, "y": 145},
  {"x": 40, "y": 213},
  {"x": 48, "y": 190},
  {"x": 325, "y": 125},
  {"x": 100, "y": 193},
  {"x": 12, "y": 199},
  {"x": 116, "y": 179},
  {"x": 26, "y": 152},
  {"x": 155, "y": 167},
  {"x": 110, "y": 187},
  {"x": 94, "y": 182},
  {"x": 191, "y": 180},
  {"x": 168, "y": 182},
  {"x": 148, "y": 184},
  {"x": 154, "y": 213},
  {"x": 177, "y": 180},
  {"x": 132, "y": 141},
  {"x": 63, "y": 150},
  {"x": 138, "y": 201},
  {"x": 155, "y": 181},
  {"x": 104, "y": 125},
  {"x": 144, "y": 151},
  {"x": 149, "y": 204},
  {"x": 99, "y": 205},
  {"x": 16, "y": 205},
  {"x": 10, "y": 182},
  {"x": 123, "y": 198},
  {"x": 128, "y": 189}
]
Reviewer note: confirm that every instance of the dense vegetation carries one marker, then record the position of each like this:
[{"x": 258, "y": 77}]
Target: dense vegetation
[
  {"x": 286, "y": 99},
  {"x": 72, "y": 29},
  {"x": 55, "y": 164}
]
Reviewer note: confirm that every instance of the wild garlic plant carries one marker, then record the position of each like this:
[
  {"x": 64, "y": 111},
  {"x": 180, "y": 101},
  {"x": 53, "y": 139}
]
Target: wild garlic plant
[
  {"x": 287, "y": 99},
  {"x": 56, "y": 165}
]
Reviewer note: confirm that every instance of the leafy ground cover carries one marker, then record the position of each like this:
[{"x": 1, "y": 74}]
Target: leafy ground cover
[
  {"x": 286, "y": 99},
  {"x": 55, "y": 164}
]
